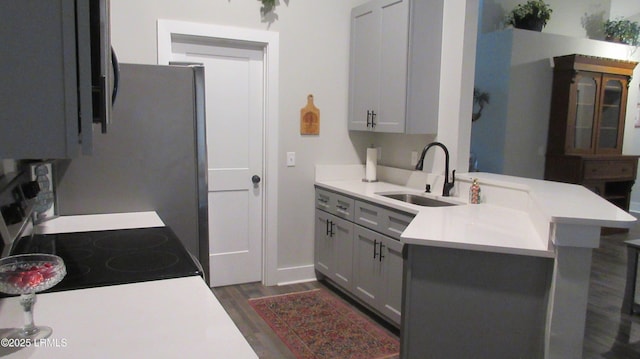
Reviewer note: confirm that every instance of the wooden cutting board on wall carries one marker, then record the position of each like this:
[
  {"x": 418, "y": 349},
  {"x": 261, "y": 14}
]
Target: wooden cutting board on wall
[{"x": 310, "y": 118}]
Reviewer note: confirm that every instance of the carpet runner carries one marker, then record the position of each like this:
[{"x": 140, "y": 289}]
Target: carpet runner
[{"x": 316, "y": 324}]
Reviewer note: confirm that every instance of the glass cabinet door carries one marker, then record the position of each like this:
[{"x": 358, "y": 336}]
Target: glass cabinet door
[
  {"x": 585, "y": 112},
  {"x": 610, "y": 108}
]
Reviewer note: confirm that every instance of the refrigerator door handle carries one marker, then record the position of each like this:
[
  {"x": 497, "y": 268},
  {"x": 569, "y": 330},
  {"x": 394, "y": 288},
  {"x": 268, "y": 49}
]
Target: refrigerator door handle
[
  {"x": 105, "y": 119},
  {"x": 103, "y": 97},
  {"x": 116, "y": 75}
]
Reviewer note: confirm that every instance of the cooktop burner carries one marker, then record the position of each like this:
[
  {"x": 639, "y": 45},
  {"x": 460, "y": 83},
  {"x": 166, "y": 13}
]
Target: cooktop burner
[
  {"x": 102, "y": 258},
  {"x": 142, "y": 261},
  {"x": 130, "y": 241}
]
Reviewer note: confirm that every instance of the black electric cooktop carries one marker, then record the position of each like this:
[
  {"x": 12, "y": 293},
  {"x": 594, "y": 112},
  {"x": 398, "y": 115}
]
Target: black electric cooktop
[{"x": 102, "y": 258}]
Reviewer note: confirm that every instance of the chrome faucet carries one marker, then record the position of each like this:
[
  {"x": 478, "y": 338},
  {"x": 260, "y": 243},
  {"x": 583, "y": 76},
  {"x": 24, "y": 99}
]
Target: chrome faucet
[{"x": 447, "y": 185}]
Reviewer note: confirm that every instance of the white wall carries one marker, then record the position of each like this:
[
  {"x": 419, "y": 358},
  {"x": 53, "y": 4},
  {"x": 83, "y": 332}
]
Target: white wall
[
  {"x": 625, "y": 9},
  {"x": 314, "y": 59},
  {"x": 493, "y": 63},
  {"x": 314, "y": 45}
]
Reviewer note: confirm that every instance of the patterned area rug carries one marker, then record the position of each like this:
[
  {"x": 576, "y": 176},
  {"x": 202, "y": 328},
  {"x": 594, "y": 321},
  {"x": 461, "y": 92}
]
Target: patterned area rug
[{"x": 316, "y": 324}]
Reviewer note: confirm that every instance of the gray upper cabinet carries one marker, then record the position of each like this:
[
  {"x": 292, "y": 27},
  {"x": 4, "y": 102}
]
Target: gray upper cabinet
[
  {"x": 46, "y": 88},
  {"x": 395, "y": 66}
]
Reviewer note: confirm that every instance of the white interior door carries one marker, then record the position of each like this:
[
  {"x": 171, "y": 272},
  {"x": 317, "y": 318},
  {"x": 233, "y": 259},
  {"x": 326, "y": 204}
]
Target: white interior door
[{"x": 234, "y": 104}]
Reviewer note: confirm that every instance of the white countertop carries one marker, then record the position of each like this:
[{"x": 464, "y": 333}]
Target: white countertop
[
  {"x": 567, "y": 203},
  {"x": 495, "y": 226},
  {"x": 100, "y": 222},
  {"x": 478, "y": 227},
  {"x": 171, "y": 318}
]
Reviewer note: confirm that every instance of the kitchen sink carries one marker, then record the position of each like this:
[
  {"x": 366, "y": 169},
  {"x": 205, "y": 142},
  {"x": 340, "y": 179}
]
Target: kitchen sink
[{"x": 417, "y": 199}]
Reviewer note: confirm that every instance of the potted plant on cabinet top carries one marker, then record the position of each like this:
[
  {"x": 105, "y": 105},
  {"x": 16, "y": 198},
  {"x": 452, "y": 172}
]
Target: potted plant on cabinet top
[
  {"x": 622, "y": 31},
  {"x": 533, "y": 15}
]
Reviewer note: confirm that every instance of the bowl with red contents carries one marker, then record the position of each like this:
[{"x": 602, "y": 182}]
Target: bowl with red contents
[{"x": 30, "y": 273}]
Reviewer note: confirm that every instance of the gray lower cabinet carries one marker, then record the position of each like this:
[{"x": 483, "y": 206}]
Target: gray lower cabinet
[
  {"x": 461, "y": 303},
  {"x": 367, "y": 268},
  {"x": 377, "y": 271},
  {"x": 333, "y": 248},
  {"x": 392, "y": 266},
  {"x": 364, "y": 258}
]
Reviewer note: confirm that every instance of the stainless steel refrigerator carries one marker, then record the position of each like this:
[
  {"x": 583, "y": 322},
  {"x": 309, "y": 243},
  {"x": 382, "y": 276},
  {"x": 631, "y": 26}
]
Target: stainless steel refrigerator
[{"x": 153, "y": 157}]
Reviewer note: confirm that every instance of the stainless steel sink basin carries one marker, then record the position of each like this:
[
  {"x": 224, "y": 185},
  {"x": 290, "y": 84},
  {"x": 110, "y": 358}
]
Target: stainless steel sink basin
[{"x": 417, "y": 199}]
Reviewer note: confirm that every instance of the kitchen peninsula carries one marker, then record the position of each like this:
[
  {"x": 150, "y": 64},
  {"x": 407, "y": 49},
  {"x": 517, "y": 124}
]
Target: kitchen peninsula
[{"x": 506, "y": 278}]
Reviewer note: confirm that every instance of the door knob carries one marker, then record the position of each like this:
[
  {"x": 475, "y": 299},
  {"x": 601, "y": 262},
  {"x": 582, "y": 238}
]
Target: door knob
[{"x": 255, "y": 179}]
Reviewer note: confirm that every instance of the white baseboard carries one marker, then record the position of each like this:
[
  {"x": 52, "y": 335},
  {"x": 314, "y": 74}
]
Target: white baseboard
[{"x": 299, "y": 274}]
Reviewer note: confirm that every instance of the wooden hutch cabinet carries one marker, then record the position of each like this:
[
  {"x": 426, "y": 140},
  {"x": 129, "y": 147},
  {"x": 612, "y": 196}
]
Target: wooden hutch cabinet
[{"x": 586, "y": 126}]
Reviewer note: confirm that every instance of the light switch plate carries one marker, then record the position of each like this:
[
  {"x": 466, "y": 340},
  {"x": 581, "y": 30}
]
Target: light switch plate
[{"x": 291, "y": 159}]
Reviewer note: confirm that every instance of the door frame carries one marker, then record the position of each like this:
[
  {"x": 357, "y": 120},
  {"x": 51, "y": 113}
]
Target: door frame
[{"x": 270, "y": 42}]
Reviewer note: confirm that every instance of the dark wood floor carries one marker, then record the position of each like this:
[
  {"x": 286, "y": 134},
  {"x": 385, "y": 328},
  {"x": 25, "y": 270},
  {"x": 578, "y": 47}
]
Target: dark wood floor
[{"x": 608, "y": 334}]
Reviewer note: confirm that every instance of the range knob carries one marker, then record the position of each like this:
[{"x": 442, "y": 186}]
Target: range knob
[
  {"x": 30, "y": 189},
  {"x": 12, "y": 213}
]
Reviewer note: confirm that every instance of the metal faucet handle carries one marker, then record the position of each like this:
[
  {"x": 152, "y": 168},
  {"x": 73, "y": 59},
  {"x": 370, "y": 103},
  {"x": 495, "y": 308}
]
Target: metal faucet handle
[{"x": 448, "y": 186}]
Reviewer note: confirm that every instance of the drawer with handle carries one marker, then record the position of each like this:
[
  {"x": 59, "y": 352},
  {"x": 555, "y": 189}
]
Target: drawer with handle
[
  {"x": 394, "y": 223},
  {"x": 609, "y": 169},
  {"x": 383, "y": 220},
  {"x": 334, "y": 203}
]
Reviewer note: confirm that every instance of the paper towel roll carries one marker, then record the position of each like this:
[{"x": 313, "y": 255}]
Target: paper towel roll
[{"x": 372, "y": 162}]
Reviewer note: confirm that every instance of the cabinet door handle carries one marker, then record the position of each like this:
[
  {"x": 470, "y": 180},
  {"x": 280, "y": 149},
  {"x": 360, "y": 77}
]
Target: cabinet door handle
[
  {"x": 375, "y": 244},
  {"x": 327, "y": 227},
  {"x": 373, "y": 119},
  {"x": 331, "y": 224},
  {"x": 369, "y": 118},
  {"x": 381, "y": 256}
]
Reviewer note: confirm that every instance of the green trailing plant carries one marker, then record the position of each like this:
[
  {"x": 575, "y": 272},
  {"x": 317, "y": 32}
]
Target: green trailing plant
[
  {"x": 533, "y": 11},
  {"x": 623, "y": 31},
  {"x": 267, "y": 6},
  {"x": 480, "y": 98}
]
